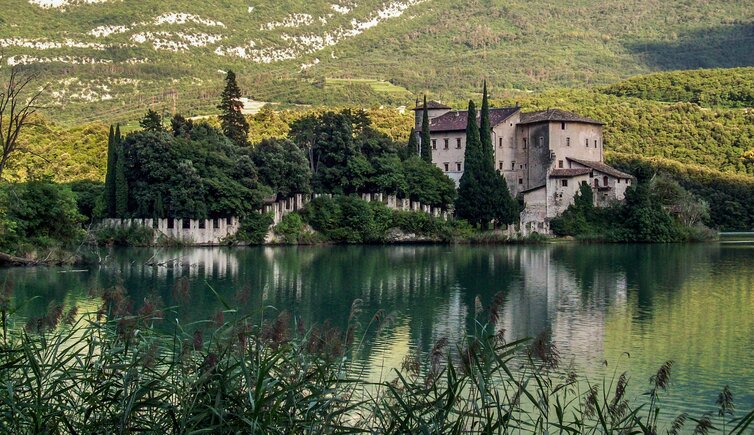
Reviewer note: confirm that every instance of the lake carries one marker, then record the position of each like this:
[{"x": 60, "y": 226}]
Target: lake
[{"x": 634, "y": 306}]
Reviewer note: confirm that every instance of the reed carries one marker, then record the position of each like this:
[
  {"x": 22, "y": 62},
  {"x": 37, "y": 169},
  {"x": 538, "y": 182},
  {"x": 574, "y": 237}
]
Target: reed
[{"x": 112, "y": 372}]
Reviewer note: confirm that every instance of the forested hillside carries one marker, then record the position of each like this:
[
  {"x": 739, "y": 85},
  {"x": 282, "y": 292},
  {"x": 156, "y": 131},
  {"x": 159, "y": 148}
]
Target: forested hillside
[{"x": 109, "y": 60}]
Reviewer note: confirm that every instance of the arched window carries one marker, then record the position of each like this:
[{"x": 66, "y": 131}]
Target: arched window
[{"x": 604, "y": 180}]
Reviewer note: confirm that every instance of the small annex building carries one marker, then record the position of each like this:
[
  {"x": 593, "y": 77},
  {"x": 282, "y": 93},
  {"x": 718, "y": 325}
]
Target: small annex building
[{"x": 544, "y": 156}]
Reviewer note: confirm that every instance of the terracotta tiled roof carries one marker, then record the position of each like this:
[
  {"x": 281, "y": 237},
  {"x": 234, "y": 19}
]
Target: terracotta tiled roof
[
  {"x": 556, "y": 115},
  {"x": 567, "y": 173},
  {"x": 457, "y": 119},
  {"x": 431, "y": 105},
  {"x": 605, "y": 169}
]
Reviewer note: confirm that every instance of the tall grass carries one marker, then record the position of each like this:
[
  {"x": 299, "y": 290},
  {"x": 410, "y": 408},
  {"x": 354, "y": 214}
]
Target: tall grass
[{"x": 113, "y": 372}]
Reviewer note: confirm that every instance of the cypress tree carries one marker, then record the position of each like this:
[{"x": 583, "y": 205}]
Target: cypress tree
[
  {"x": 110, "y": 175},
  {"x": 497, "y": 203},
  {"x": 470, "y": 193},
  {"x": 426, "y": 147},
  {"x": 485, "y": 132},
  {"x": 233, "y": 122},
  {"x": 118, "y": 137},
  {"x": 121, "y": 184},
  {"x": 413, "y": 146}
]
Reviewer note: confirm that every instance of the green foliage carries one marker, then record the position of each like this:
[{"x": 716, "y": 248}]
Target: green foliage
[
  {"x": 426, "y": 147},
  {"x": 89, "y": 198},
  {"x": 428, "y": 184},
  {"x": 254, "y": 227},
  {"x": 282, "y": 166},
  {"x": 102, "y": 373},
  {"x": 645, "y": 216},
  {"x": 596, "y": 42},
  {"x": 348, "y": 155},
  {"x": 38, "y": 214},
  {"x": 232, "y": 120},
  {"x": 152, "y": 121},
  {"x": 202, "y": 176},
  {"x": 293, "y": 230},
  {"x": 412, "y": 147},
  {"x": 483, "y": 194},
  {"x": 121, "y": 184},
  {"x": 348, "y": 219},
  {"x": 112, "y": 156},
  {"x": 732, "y": 87},
  {"x": 730, "y": 197}
]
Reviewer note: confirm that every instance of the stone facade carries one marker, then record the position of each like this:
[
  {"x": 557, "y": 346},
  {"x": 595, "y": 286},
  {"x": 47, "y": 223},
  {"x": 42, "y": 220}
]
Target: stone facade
[{"x": 544, "y": 156}]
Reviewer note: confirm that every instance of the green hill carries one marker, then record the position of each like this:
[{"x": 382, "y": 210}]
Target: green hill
[{"x": 110, "y": 59}]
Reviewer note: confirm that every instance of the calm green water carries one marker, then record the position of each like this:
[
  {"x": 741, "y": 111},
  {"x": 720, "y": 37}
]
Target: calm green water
[{"x": 693, "y": 304}]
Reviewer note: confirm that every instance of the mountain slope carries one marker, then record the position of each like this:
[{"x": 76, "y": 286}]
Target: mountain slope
[{"x": 107, "y": 58}]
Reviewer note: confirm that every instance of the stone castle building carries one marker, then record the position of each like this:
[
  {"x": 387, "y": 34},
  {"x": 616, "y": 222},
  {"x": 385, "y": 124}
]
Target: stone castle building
[{"x": 544, "y": 156}]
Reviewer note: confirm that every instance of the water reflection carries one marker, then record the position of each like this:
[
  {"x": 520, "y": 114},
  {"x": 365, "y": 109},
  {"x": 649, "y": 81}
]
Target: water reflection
[{"x": 690, "y": 303}]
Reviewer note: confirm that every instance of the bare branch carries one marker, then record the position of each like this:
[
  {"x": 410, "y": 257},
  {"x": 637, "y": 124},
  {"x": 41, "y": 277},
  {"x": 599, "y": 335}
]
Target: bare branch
[{"x": 16, "y": 108}]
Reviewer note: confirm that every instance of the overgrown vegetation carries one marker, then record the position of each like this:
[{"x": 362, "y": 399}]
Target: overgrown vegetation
[
  {"x": 36, "y": 215},
  {"x": 655, "y": 210},
  {"x": 111, "y": 371},
  {"x": 348, "y": 219}
]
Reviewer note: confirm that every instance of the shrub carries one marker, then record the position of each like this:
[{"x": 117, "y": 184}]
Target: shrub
[
  {"x": 254, "y": 227},
  {"x": 291, "y": 228},
  {"x": 38, "y": 214}
]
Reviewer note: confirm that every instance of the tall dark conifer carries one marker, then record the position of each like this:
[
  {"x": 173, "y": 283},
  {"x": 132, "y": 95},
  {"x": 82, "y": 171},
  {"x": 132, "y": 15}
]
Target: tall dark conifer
[
  {"x": 470, "y": 193},
  {"x": 412, "y": 149},
  {"x": 121, "y": 184},
  {"x": 426, "y": 147},
  {"x": 497, "y": 203},
  {"x": 110, "y": 174},
  {"x": 485, "y": 132},
  {"x": 233, "y": 122}
]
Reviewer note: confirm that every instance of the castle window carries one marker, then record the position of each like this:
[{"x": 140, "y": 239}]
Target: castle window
[
  {"x": 586, "y": 142},
  {"x": 501, "y": 142},
  {"x": 595, "y": 143},
  {"x": 520, "y": 181},
  {"x": 434, "y": 144},
  {"x": 541, "y": 141},
  {"x": 458, "y": 166},
  {"x": 562, "y": 125},
  {"x": 458, "y": 143},
  {"x": 604, "y": 179},
  {"x": 500, "y": 165},
  {"x": 564, "y": 182},
  {"x": 524, "y": 143},
  {"x": 568, "y": 141},
  {"x": 618, "y": 181},
  {"x": 446, "y": 143},
  {"x": 447, "y": 166},
  {"x": 560, "y": 164},
  {"x": 513, "y": 165}
]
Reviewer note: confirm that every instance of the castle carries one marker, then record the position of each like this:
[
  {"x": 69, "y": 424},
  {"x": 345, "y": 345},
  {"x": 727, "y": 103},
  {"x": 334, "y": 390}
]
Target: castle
[{"x": 544, "y": 156}]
